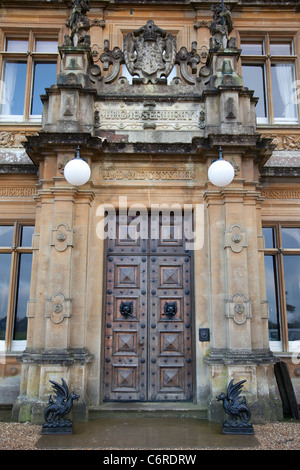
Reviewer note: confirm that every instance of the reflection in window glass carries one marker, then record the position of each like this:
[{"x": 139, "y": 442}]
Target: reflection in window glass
[
  {"x": 46, "y": 46},
  {"x": 281, "y": 48},
  {"x": 271, "y": 285},
  {"x": 253, "y": 48},
  {"x": 26, "y": 235},
  {"x": 290, "y": 237},
  {"x": 254, "y": 79},
  {"x": 13, "y": 88},
  {"x": 5, "y": 261},
  {"x": 16, "y": 45},
  {"x": 283, "y": 77},
  {"x": 6, "y": 235},
  {"x": 23, "y": 292},
  {"x": 44, "y": 77},
  {"x": 292, "y": 293},
  {"x": 268, "y": 233}
]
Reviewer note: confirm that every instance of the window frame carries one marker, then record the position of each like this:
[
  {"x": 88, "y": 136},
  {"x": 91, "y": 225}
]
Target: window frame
[
  {"x": 9, "y": 344},
  {"x": 30, "y": 57},
  {"x": 284, "y": 345},
  {"x": 267, "y": 60}
]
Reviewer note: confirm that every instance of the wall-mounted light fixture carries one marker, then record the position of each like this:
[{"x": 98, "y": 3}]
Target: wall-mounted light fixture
[
  {"x": 220, "y": 172},
  {"x": 77, "y": 172}
]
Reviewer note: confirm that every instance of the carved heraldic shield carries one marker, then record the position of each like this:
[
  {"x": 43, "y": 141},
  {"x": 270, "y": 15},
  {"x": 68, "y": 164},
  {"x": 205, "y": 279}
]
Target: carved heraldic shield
[{"x": 150, "y": 53}]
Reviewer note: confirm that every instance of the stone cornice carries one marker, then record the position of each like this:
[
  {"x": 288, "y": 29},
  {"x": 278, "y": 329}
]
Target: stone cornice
[
  {"x": 56, "y": 356},
  {"x": 240, "y": 356}
]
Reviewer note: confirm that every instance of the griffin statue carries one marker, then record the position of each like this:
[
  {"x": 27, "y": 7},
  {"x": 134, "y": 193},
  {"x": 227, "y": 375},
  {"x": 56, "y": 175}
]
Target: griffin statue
[
  {"x": 55, "y": 410},
  {"x": 236, "y": 406}
]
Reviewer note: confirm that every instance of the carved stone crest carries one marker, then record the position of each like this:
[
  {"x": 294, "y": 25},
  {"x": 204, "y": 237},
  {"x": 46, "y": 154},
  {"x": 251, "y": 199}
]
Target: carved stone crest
[{"x": 149, "y": 53}]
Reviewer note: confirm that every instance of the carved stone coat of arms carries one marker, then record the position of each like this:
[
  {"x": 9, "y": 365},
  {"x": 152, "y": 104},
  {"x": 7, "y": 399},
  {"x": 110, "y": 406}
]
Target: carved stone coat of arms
[{"x": 150, "y": 53}]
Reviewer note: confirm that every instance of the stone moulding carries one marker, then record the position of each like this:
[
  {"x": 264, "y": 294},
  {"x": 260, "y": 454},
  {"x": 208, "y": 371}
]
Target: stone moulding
[
  {"x": 65, "y": 357},
  {"x": 240, "y": 356}
]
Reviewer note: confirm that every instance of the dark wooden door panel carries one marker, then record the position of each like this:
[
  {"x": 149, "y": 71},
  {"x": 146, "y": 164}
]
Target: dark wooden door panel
[
  {"x": 148, "y": 320},
  {"x": 171, "y": 349},
  {"x": 125, "y": 327}
]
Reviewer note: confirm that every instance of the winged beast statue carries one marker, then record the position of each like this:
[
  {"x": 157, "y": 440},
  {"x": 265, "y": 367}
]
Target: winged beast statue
[
  {"x": 236, "y": 406},
  {"x": 57, "y": 409}
]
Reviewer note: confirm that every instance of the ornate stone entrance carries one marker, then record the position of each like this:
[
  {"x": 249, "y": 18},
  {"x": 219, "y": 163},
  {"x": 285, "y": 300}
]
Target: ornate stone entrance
[
  {"x": 148, "y": 317},
  {"x": 152, "y": 142}
]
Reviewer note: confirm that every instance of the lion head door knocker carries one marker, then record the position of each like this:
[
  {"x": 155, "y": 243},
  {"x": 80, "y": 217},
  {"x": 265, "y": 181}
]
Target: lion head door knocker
[
  {"x": 170, "y": 309},
  {"x": 126, "y": 309}
]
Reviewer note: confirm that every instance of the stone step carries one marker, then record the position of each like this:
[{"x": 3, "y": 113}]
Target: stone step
[{"x": 148, "y": 410}]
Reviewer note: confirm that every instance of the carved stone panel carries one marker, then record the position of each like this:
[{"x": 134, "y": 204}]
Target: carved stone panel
[
  {"x": 58, "y": 308},
  {"x": 235, "y": 238},
  {"x": 238, "y": 308},
  {"x": 186, "y": 116},
  {"x": 61, "y": 237}
]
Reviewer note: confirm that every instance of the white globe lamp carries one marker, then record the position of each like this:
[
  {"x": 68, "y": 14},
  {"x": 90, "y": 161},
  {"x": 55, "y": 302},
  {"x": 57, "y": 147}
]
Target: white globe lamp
[
  {"x": 220, "y": 172},
  {"x": 77, "y": 172}
]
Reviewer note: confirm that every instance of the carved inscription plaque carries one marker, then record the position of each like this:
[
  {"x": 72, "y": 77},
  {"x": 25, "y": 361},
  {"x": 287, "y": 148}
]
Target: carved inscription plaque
[
  {"x": 141, "y": 116},
  {"x": 115, "y": 174}
]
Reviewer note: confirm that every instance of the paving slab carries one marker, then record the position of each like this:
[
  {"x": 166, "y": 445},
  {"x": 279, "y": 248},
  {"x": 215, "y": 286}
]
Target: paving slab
[{"x": 147, "y": 433}]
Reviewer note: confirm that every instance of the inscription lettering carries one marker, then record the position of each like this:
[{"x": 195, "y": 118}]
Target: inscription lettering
[
  {"x": 145, "y": 115},
  {"x": 280, "y": 194},
  {"x": 149, "y": 175},
  {"x": 164, "y": 116},
  {"x": 16, "y": 192}
]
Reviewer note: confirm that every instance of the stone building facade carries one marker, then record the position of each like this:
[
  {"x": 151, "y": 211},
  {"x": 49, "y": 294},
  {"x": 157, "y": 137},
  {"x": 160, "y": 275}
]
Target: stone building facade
[{"x": 149, "y": 284}]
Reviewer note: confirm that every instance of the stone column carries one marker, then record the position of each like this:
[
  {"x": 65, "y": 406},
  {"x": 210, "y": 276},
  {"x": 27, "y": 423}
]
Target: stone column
[
  {"x": 239, "y": 341},
  {"x": 56, "y": 346}
]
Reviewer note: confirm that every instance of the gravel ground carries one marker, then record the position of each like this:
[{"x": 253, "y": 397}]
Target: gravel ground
[{"x": 271, "y": 436}]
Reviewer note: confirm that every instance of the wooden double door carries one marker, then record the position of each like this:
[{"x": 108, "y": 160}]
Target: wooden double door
[{"x": 148, "y": 318}]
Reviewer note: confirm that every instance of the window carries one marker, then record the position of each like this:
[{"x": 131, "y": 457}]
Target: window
[
  {"x": 268, "y": 68},
  {"x": 282, "y": 266},
  {"x": 29, "y": 65},
  {"x": 15, "y": 276}
]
